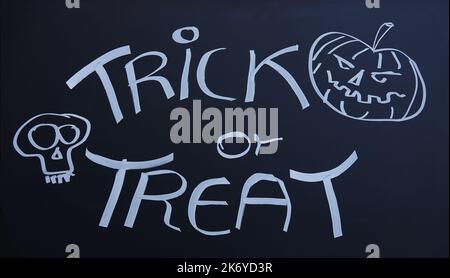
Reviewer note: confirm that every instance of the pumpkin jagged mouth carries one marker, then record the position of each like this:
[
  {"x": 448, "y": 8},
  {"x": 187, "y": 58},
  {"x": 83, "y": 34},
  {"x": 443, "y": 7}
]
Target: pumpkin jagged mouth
[{"x": 357, "y": 95}]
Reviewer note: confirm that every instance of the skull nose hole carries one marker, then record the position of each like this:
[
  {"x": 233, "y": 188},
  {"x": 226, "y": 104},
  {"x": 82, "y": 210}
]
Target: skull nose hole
[
  {"x": 57, "y": 155},
  {"x": 356, "y": 80}
]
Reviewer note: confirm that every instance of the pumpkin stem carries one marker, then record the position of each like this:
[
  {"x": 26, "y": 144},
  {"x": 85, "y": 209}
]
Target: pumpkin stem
[{"x": 382, "y": 31}]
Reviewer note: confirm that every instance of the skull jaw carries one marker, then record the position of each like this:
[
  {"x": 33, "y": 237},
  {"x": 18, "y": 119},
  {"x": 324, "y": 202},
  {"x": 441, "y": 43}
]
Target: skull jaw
[{"x": 57, "y": 167}]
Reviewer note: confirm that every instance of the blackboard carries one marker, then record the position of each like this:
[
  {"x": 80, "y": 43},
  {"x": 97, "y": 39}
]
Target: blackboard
[{"x": 391, "y": 198}]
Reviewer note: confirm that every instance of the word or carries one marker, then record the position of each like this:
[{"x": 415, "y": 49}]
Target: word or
[
  {"x": 70, "y": 4},
  {"x": 239, "y": 135},
  {"x": 122, "y": 166},
  {"x": 73, "y": 251},
  {"x": 255, "y": 123},
  {"x": 98, "y": 66}
]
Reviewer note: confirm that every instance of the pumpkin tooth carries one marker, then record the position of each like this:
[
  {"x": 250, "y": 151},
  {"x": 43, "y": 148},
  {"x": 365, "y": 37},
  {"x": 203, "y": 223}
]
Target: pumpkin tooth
[
  {"x": 355, "y": 94},
  {"x": 359, "y": 97},
  {"x": 377, "y": 98},
  {"x": 387, "y": 99},
  {"x": 389, "y": 94},
  {"x": 367, "y": 100}
]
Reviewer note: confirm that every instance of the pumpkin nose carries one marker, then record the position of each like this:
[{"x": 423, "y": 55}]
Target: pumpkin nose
[{"x": 356, "y": 80}]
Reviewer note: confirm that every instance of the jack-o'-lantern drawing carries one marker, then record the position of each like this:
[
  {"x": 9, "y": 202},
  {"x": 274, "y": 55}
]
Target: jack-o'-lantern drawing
[{"x": 365, "y": 82}]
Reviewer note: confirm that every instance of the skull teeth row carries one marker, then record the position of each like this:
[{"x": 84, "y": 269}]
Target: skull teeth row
[{"x": 58, "y": 179}]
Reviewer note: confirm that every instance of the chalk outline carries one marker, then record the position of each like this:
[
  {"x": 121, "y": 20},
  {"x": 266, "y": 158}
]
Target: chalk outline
[
  {"x": 418, "y": 76},
  {"x": 69, "y": 150}
]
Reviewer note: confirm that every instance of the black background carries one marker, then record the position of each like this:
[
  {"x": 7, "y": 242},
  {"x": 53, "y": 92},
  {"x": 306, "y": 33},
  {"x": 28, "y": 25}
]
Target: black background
[{"x": 395, "y": 195}]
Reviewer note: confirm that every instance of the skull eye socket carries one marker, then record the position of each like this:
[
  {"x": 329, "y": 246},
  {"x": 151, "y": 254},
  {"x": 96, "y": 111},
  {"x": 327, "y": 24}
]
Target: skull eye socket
[
  {"x": 381, "y": 77},
  {"x": 43, "y": 136},
  {"x": 344, "y": 64},
  {"x": 69, "y": 134}
]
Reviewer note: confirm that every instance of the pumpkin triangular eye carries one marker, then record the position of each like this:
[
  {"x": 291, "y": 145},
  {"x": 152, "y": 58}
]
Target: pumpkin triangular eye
[{"x": 344, "y": 64}]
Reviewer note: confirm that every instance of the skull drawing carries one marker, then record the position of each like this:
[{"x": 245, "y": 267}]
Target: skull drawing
[{"x": 51, "y": 138}]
